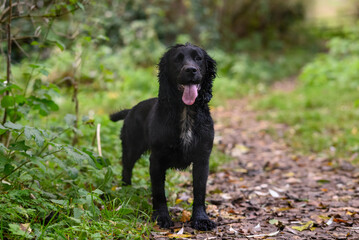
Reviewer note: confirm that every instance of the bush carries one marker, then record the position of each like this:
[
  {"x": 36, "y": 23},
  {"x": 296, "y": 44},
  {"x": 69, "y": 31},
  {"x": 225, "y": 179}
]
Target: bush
[{"x": 337, "y": 67}]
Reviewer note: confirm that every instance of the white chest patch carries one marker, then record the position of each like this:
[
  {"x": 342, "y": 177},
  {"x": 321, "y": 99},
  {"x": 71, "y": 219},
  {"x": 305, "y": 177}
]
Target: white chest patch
[{"x": 186, "y": 127}]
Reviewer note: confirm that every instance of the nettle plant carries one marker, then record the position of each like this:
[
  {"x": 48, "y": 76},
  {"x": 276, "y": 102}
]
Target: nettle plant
[{"x": 33, "y": 160}]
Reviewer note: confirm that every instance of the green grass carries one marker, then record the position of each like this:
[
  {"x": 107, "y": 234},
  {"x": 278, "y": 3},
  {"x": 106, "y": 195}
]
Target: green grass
[
  {"x": 322, "y": 113},
  {"x": 81, "y": 204},
  {"x": 320, "y": 119}
]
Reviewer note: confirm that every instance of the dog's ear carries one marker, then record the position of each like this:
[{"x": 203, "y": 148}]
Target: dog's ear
[
  {"x": 166, "y": 90},
  {"x": 162, "y": 68},
  {"x": 211, "y": 72}
]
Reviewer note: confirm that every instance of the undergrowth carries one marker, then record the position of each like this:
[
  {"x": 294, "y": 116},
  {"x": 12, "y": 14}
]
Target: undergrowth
[
  {"x": 322, "y": 112},
  {"x": 57, "y": 181}
]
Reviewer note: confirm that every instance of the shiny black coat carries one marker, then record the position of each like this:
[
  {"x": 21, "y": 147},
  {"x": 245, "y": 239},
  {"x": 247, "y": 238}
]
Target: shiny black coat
[{"x": 176, "y": 134}]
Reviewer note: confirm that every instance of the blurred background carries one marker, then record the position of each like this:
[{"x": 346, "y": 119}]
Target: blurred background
[{"x": 67, "y": 64}]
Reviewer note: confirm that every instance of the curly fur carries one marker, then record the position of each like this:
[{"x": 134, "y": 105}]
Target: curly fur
[{"x": 176, "y": 132}]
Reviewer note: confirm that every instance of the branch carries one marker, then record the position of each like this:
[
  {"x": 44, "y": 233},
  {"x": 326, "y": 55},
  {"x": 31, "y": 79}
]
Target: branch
[
  {"x": 50, "y": 15},
  {"x": 8, "y": 59},
  {"x": 21, "y": 49},
  {"x": 15, "y": 169},
  {"x": 19, "y": 38},
  {"x": 8, "y": 9}
]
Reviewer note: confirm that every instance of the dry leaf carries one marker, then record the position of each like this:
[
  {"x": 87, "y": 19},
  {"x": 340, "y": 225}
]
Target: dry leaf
[
  {"x": 264, "y": 235},
  {"x": 307, "y": 226},
  {"x": 273, "y": 193},
  {"x": 179, "y": 234},
  {"x": 257, "y": 228},
  {"x": 330, "y": 221},
  {"x": 25, "y": 227},
  {"x": 232, "y": 229},
  {"x": 180, "y": 231},
  {"x": 186, "y": 216}
]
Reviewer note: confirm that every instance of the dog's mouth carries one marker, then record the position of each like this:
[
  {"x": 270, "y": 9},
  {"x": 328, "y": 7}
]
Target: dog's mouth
[{"x": 189, "y": 93}]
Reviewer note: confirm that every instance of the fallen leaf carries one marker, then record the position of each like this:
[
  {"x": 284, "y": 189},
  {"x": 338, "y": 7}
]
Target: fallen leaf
[
  {"x": 25, "y": 227},
  {"x": 283, "y": 209},
  {"x": 322, "y": 181},
  {"x": 330, "y": 221},
  {"x": 338, "y": 220},
  {"x": 307, "y": 226},
  {"x": 264, "y": 235},
  {"x": 186, "y": 216},
  {"x": 273, "y": 221},
  {"x": 179, "y": 236},
  {"x": 241, "y": 170},
  {"x": 260, "y": 193},
  {"x": 211, "y": 208},
  {"x": 350, "y": 213},
  {"x": 257, "y": 228},
  {"x": 289, "y": 174},
  {"x": 239, "y": 150},
  {"x": 273, "y": 193},
  {"x": 226, "y": 196},
  {"x": 232, "y": 229},
  {"x": 180, "y": 231}
]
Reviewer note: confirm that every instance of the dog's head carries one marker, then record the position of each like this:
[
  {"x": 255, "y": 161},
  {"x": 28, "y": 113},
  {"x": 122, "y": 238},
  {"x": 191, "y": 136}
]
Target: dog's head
[{"x": 187, "y": 71}]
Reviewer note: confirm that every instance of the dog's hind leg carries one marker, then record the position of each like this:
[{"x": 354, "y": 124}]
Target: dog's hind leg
[
  {"x": 129, "y": 158},
  {"x": 132, "y": 149}
]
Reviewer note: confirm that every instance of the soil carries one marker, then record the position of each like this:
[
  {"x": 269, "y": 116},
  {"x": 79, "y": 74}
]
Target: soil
[{"x": 271, "y": 192}]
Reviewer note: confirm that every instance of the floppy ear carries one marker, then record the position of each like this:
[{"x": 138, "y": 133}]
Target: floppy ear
[
  {"x": 211, "y": 72},
  {"x": 166, "y": 90},
  {"x": 162, "y": 69}
]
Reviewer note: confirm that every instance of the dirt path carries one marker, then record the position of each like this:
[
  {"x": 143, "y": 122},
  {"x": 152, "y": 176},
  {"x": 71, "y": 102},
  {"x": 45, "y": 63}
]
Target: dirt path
[
  {"x": 270, "y": 189},
  {"x": 269, "y": 192}
]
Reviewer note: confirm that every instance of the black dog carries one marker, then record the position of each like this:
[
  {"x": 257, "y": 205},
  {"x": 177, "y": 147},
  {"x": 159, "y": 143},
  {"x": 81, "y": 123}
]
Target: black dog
[{"x": 176, "y": 127}]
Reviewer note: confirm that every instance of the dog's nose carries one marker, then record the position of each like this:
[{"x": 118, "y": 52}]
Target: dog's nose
[{"x": 190, "y": 69}]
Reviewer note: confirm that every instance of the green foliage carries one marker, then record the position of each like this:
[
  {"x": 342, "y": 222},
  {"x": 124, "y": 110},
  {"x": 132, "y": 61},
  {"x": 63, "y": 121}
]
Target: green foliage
[
  {"x": 246, "y": 73},
  {"x": 82, "y": 65},
  {"x": 339, "y": 67},
  {"x": 322, "y": 113}
]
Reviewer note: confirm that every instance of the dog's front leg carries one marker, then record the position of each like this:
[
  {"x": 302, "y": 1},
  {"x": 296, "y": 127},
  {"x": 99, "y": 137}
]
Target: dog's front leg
[
  {"x": 160, "y": 210},
  {"x": 199, "y": 219}
]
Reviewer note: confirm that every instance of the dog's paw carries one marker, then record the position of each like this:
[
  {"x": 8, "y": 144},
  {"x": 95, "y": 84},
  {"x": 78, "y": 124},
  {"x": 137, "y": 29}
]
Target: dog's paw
[
  {"x": 203, "y": 224},
  {"x": 163, "y": 221}
]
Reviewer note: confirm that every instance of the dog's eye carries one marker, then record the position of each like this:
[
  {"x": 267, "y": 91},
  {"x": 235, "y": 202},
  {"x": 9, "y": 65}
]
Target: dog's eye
[
  {"x": 198, "y": 58},
  {"x": 179, "y": 57}
]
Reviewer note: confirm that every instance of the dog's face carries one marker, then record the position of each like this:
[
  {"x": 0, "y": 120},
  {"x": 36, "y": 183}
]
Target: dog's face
[
  {"x": 188, "y": 67},
  {"x": 185, "y": 67}
]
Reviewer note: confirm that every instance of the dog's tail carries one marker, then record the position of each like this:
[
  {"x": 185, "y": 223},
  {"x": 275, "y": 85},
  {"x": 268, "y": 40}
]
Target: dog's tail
[{"x": 117, "y": 116}]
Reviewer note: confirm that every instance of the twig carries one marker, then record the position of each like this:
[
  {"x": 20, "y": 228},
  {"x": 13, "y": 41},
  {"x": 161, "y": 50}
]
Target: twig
[
  {"x": 8, "y": 59},
  {"x": 15, "y": 169},
  {"x": 8, "y": 9},
  {"x": 38, "y": 56},
  {"x": 37, "y": 16},
  {"x": 8, "y": 138},
  {"x": 19, "y": 38},
  {"x": 76, "y": 100},
  {"x": 52, "y": 139},
  {"x": 94, "y": 138},
  {"x": 99, "y": 140},
  {"x": 21, "y": 49},
  {"x": 51, "y": 153}
]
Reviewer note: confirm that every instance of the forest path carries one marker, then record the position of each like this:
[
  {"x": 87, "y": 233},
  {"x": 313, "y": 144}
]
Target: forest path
[{"x": 270, "y": 192}]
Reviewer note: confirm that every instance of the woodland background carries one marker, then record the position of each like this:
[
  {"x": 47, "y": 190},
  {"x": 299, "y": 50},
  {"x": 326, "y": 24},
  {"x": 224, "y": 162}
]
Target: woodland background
[{"x": 65, "y": 65}]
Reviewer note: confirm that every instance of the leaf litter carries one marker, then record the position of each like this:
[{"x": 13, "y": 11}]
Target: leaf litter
[{"x": 270, "y": 192}]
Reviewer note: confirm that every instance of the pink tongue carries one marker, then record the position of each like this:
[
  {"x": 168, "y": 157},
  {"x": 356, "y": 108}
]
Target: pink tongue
[{"x": 189, "y": 94}]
